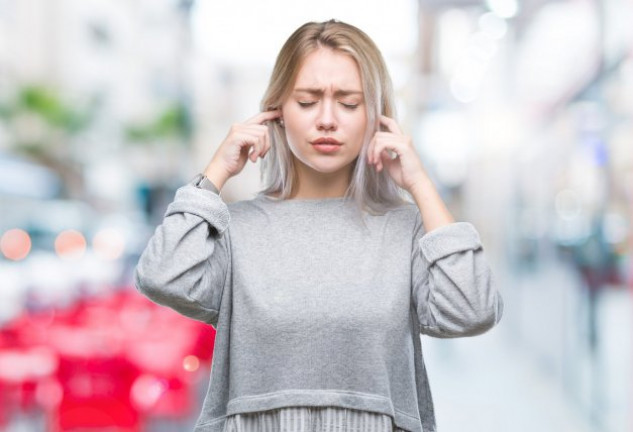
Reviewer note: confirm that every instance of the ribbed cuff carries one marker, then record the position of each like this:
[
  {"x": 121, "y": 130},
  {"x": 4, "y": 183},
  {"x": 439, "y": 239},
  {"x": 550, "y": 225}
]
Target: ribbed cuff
[
  {"x": 449, "y": 239},
  {"x": 203, "y": 203}
]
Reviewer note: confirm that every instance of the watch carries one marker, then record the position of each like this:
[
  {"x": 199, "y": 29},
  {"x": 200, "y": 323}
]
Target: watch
[{"x": 201, "y": 181}]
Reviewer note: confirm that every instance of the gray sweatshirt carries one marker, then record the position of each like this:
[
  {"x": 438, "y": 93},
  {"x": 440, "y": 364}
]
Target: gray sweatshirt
[{"x": 314, "y": 308}]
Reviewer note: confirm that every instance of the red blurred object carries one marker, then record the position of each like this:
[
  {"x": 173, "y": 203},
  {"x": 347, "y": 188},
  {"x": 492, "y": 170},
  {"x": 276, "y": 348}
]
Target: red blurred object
[
  {"x": 96, "y": 394},
  {"x": 3, "y": 414},
  {"x": 21, "y": 371},
  {"x": 161, "y": 355},
  {"x": 113, "y": 361}
]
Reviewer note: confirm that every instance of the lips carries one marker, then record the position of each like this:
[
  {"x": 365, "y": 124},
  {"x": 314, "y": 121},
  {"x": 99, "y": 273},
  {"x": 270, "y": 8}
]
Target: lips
[
  {"x": 326, "y": 145},
  {"x": 326, "y": 140}
]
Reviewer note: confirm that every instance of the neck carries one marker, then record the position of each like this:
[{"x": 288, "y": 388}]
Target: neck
[{"x": 313, "y": 185}]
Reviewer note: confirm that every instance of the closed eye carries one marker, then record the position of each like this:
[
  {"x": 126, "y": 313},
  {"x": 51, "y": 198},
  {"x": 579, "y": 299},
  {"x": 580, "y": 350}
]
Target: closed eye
[
  {"x": 305, "y": 104},
  {"x": 349, "y": 106}
]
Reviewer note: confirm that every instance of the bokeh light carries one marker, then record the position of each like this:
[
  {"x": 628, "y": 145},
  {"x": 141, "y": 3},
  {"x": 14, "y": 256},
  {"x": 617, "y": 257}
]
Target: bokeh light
[
  {"x": 15, "y": 244},
  {"x": 108, "y": 243},
  {"x": 70, "y": 244},
  {"x": 191, "y": 363},
  {"x": 147, "y": 390}
]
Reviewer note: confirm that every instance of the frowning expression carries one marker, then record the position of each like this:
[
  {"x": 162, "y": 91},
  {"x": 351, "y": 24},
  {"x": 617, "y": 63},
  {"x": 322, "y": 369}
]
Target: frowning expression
[{"x": 325, "y": 115}]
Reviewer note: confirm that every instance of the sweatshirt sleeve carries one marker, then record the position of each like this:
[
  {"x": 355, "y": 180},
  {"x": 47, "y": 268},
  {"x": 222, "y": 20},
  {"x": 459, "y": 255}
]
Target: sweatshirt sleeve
[
  {"x": 453, "y": 289},
  {"x": 187, "y": 261}
]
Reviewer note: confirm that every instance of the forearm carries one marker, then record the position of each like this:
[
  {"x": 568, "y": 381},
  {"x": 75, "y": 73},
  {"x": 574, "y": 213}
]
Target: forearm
[
  {"x": 453, "y": 285},
  {"x": 185, "y": 262},
  {"x": 433, "y": 211},
  {"x": 215, "y": 172}
]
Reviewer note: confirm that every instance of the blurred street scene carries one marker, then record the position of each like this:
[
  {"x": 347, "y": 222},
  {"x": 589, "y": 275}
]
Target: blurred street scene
[{"x": 521, "y": 110}]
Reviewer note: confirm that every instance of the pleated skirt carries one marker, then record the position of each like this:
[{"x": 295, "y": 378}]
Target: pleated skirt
[{"x": 311, "y": 419}]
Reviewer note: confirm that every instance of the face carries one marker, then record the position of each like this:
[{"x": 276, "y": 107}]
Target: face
[{"x": 325, "y": 115}]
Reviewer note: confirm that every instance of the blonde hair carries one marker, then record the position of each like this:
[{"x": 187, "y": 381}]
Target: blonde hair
[{"x": 375, "y": 192}]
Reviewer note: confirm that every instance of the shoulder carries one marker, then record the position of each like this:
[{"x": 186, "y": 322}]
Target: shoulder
[
  {"x": 406, "y": 213},
  {"x": 244, "y": 206},
  {"x": 248, "y": 209},
  {"x": 402, "y": 220}
]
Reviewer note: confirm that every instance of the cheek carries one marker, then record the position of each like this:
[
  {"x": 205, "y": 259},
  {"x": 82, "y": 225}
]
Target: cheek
[
  {"x": 295, "y": 134},
  {"x": 296, "y": 124},
  {"x": 360, "y": 126},
  {"x": 291, "y": 126}
]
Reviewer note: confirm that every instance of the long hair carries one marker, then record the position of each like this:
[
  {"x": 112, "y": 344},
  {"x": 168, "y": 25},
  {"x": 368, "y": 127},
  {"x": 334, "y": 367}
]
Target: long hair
[{"x": 374, "y": 192}]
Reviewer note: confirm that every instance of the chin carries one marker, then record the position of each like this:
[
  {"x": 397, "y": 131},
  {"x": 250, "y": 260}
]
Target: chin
[
  {"x": 326, "y": 164},
  {"x": 328, "y": 168}
]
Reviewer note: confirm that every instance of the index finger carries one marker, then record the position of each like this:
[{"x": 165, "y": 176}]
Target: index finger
[
  {"x": 264, "y": 117},
  {"x": 392, "y": 125}
]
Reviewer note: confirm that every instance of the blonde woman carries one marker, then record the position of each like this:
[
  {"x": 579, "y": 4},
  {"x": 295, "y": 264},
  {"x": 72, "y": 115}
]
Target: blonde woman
[{"x": 320, "y": 286}]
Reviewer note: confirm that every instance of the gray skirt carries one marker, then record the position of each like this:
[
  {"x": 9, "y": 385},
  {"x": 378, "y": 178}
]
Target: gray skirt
[{"x": 311, "y": 419}]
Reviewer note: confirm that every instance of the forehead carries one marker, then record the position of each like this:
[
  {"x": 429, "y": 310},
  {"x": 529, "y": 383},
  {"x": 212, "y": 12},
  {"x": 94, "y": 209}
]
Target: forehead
[{"x": 326, "y": 68}]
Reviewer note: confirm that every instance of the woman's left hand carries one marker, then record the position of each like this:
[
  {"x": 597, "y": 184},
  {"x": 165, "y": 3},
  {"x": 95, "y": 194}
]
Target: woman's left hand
[{"x": 406, "y": 168}]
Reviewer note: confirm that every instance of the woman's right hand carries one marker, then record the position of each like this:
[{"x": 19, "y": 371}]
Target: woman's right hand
[{"x": 230, "y": 157}]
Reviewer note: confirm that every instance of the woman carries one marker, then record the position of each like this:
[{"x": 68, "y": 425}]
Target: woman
[{"x": 320, "y": 286}]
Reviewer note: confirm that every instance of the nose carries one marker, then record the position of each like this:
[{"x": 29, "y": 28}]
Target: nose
[{"x": 327, "y": 117}]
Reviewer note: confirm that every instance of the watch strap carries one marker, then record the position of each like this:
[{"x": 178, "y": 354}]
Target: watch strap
[{"x": 201, "y": 181}]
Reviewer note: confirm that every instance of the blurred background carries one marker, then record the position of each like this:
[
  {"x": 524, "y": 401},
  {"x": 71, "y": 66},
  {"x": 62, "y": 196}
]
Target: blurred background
[{"x": 522, "y": 111}]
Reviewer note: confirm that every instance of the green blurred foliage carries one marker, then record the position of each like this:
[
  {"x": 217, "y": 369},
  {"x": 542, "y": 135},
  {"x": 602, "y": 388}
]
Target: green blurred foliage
[
  {"x": 173, "y": 122},
  {"x": 49, "y": 106}
]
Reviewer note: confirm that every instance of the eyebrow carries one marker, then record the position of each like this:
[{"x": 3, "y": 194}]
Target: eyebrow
[{"x": 319, "y": 92}]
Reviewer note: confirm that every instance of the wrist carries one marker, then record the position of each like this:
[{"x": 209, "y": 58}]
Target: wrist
[
  {"x": 216, "y": 176},
  {"x": 432, "y": 208},
  {"x": 421, "y": 188}
]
